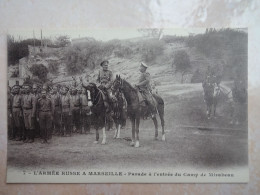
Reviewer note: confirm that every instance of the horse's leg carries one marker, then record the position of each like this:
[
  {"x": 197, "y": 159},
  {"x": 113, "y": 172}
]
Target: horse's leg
[
  {"x": 214, "y": 108},
  {"x": 156, "y": 127},
  {"x": 104, "y": 136},
  {"x": 116, "y": 130},
  {"x": 97, "y": 136},
  {"x": 161, "y": 115},
  {"x": 137, "y": 122},
  {"x": 133, "y": 131}
]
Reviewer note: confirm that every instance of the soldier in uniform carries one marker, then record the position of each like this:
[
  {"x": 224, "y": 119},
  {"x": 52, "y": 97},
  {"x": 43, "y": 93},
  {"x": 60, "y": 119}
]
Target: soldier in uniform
[
  {"x": 75, "y": 105},
  {"x": 17, "y": 113},
  {"x": 66, "y": 111},
  {"x": 29, "y": 108},
  {"x": 10, "y": 115},
  {"x": 144, "y": 87},
  {"x": 85, "y": 112},
  {"x": 36, "y": 93},
  {"x": 45, "y": 115},
  {"x": 105, "y": 79},
  {"x": 56, "y": 101}
]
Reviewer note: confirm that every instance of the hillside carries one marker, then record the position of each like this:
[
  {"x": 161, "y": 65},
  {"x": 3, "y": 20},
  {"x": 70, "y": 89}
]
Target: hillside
[{"x": 83, "y": 58}]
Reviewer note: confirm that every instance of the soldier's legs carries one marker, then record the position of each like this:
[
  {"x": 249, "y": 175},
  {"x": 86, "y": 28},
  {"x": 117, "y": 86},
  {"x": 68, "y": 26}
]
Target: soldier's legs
[
  {"x": 76, "y": 119},
  {"x": 18, "y": 132},
  {"x": 43, "y": 124},
  {"x": 10, "y": 125},
  {"x": 67, "y": 123},
  {"x": 57, "y": 122},
  {"x": 26, "y": 125},
  {"x": 48, "y": 125}
]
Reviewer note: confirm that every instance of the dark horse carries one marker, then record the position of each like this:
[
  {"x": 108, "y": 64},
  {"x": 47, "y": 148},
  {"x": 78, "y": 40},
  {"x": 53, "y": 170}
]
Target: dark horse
[
  {"x": 134, "y": 110},
  {"x": 118, "y": 111},
  {"x": 98, "y": 109}
]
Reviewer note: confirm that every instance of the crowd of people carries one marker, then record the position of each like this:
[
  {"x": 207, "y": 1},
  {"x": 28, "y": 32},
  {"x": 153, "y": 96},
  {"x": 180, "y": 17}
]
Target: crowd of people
[{"x": 43, "y": 111}]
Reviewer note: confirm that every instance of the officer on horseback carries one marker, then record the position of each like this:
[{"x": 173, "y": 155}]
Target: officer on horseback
[
  {"x": 105, "y": 79},
  {"x": 145, "y": 88}
]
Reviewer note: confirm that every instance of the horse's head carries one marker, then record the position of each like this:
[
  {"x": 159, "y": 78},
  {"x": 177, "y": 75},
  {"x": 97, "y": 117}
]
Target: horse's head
[{"x": 117, "y": 84}]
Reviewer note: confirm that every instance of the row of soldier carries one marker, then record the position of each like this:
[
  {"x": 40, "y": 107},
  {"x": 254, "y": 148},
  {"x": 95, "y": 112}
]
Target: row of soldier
[{"x": 33, "y": 112}]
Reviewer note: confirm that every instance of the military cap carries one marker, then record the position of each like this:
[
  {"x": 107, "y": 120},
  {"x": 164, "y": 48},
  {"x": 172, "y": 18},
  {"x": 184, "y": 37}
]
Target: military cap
[
  {"x": 16, "y": 87},
  {"x": 25, "y": 85},
  {"x": 105, "y": 61},
  {"x": 144, "y": 65}
]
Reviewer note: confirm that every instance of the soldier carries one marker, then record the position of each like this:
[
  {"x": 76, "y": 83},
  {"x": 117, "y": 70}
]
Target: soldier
[
  {"x": 36, "y": 91},
  {"x": 17, "y": 113},
  {"x": 10, "y": 115},
  {"x": 85, "y": 112},
  {"x": 144, "y": 87},
  {"x": 56, "y": 101},
  {"x": 105, "y": 79},
  {"x": 29, "y": 108},
  {"x": 75, "y": 104},
  {"x": 66, "y": 111},
  {"x": 45, "y": 115}
]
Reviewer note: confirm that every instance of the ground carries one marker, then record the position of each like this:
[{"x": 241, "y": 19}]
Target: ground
[{"x": 191, "y": 140}]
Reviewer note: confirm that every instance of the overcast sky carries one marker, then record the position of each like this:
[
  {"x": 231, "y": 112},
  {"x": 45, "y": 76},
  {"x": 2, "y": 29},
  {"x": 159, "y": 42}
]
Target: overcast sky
[{"x": 98, "y": 34}]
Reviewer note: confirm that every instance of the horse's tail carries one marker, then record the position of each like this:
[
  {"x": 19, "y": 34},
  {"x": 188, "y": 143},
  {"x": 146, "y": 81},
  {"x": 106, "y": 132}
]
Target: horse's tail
[{"x": 160, "y": 108}]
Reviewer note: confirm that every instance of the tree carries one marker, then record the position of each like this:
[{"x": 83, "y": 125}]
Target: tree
[
  {"x": 182, "y": 63},
  {"x": 40, "y": 71},
  {"x": 63, "y": 41}
]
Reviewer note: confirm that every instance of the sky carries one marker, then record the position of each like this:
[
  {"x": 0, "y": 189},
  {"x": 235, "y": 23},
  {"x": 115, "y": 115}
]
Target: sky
[{"x": 98, "y": 34}]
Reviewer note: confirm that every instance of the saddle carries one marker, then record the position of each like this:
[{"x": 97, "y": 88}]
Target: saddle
[{"x": 105, "y": 98}]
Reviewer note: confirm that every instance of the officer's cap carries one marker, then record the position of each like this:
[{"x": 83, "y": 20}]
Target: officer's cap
[
  {"x": 144, "y": 65},
  {"x": 102, "y": 63}
]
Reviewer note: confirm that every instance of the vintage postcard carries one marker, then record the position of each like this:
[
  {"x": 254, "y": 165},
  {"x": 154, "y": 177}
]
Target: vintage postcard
[{"x": 127, "y": 106}]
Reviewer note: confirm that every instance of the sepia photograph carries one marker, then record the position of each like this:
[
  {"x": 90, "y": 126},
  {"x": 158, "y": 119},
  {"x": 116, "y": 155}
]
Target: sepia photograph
[{"x": 127, "y": 105}]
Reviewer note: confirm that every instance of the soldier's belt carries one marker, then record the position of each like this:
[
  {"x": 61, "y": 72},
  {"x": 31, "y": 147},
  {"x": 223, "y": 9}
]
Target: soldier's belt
[
  {"x": 27, "y": 108},
  {"x": 57, "y": 105},
  {"x": 16, "y": 106},
  {"x": 65, "y": 106},
  {"x": 45, "y": 110}
]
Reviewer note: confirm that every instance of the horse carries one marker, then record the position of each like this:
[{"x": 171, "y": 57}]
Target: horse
[
  {"x": 211, "y": 96},
  {"x": 118, "y": 111},
  {"x": 98, "y": 109},
  {"x": 134, "y": 109}
]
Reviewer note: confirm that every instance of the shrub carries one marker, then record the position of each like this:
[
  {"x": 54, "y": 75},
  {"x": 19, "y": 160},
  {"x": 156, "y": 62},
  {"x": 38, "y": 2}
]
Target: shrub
[{"x": 182, "y": 63}]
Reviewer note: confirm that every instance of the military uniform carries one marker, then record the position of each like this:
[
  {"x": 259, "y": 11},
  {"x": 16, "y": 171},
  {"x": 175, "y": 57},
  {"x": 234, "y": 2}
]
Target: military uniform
[
  {"x": 29, "y": 108},
  {"x": 45, "y": 114},
  {"x": 145, "y": 89},
  {"x": 66, "y": 113},
  {"x": 105, "y": 78},
  {"x": 37, "y": 133},
  {"x": 17, "y": 116},
  {"x": 56, "y": 101},
  {"x": 75, "y": 105},
  {"x": 10, "y": 115}
]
